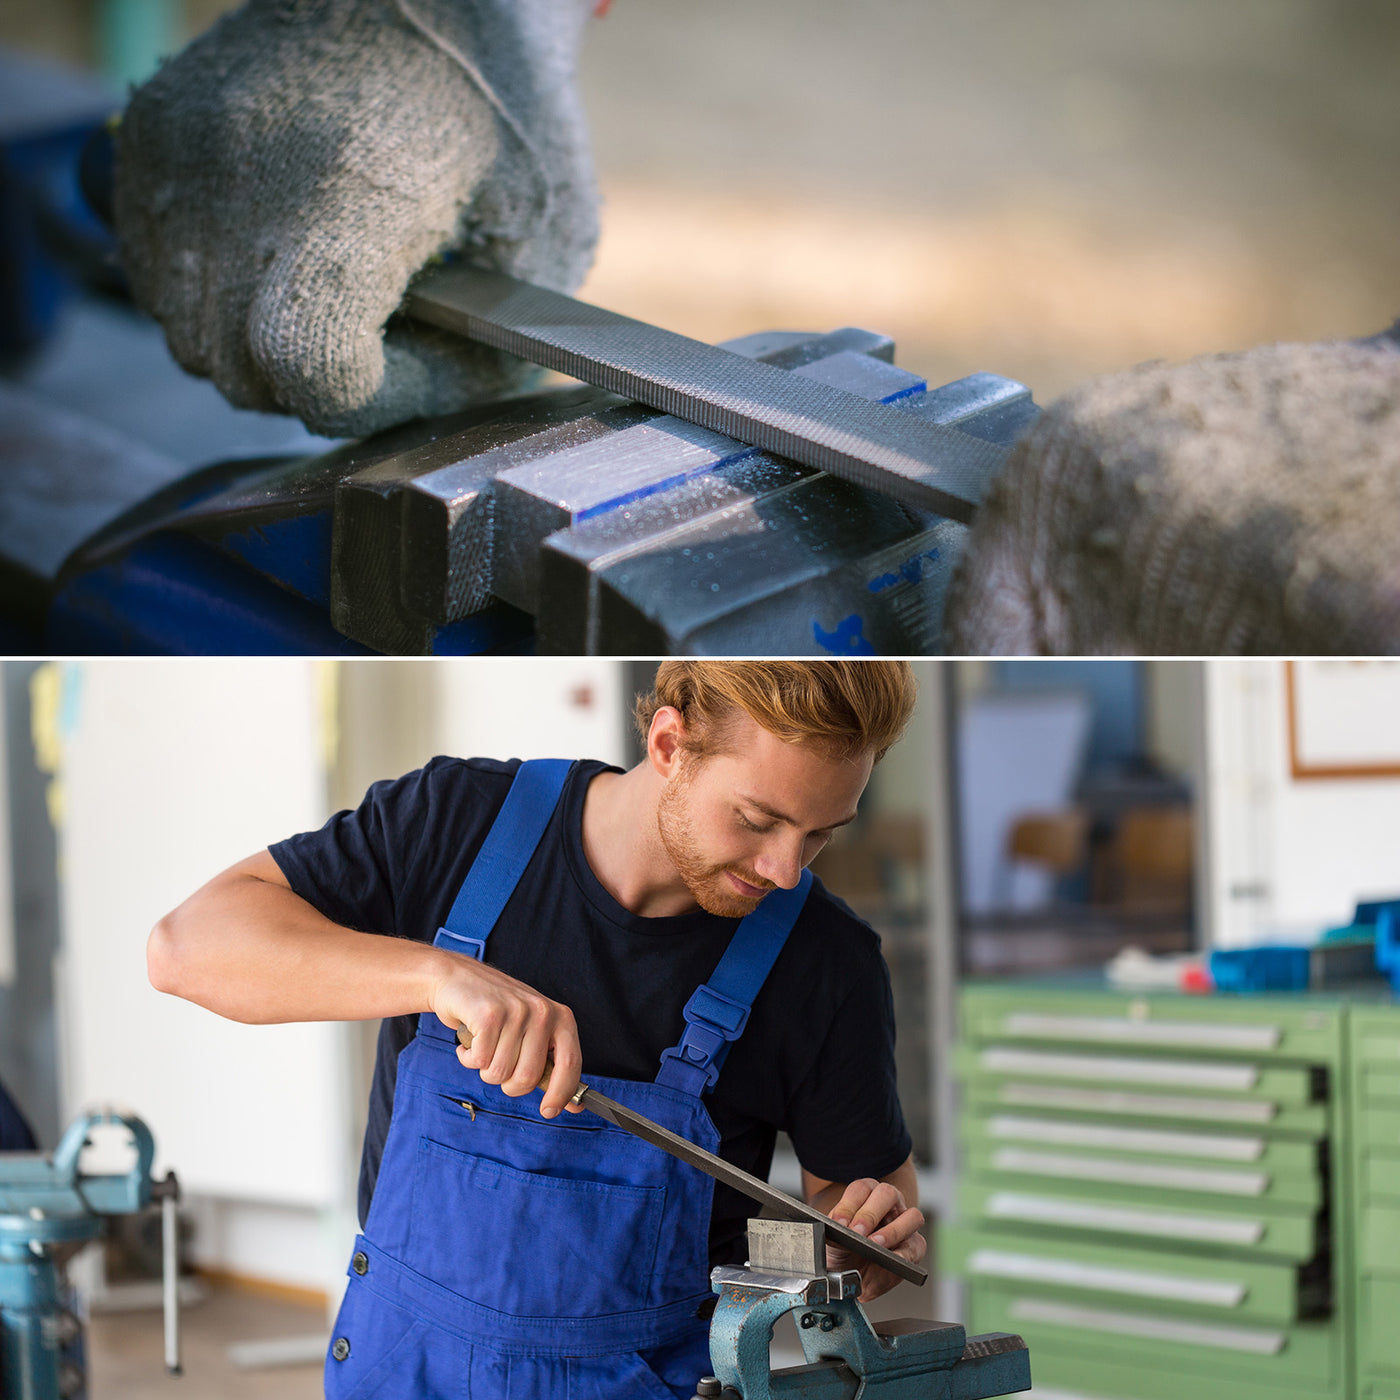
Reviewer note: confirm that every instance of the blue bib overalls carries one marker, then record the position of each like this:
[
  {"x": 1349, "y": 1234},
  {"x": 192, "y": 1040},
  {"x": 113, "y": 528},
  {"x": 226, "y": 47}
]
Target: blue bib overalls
[{"x": 510, "y": 1257}]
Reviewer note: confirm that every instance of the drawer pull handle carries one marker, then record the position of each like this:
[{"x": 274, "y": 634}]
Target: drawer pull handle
[
  {"x": 1200, "y": 1035},
  {"x": 1158, "y": 1329},
  {"x": 1067, "y": 1273},
  {"x": 1015, "y": 1159},
  {"x": 1154, "y": 1105},
  {"x": 1007, "y": 1205},
  {"x": 1221, "y": 1148},
  {"x": 1193, "y": 1074}
]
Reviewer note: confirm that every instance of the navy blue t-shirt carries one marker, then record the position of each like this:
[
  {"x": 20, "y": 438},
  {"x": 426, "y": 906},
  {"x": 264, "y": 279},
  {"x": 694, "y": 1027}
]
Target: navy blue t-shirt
[{"x": 816, "y": 1059}]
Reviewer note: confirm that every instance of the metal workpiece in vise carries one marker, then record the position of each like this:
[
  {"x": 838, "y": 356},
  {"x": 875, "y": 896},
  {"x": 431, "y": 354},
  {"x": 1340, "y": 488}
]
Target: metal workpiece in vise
[
  {"x": 49, "y": 1205},
  {"x": 848, "y": 1357},
  {"x": 570, "y": 521}
]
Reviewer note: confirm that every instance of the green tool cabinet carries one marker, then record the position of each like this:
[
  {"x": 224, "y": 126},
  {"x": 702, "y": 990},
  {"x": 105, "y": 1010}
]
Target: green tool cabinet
[{"x": 1172, "y": 1196}]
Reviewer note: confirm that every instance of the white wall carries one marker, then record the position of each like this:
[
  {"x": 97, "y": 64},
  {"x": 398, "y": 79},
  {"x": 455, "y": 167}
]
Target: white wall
[
  {"x": 532, "y": 707},
  {"x": 171, "y": 771},
  {"x": 1288, "y": 856}
]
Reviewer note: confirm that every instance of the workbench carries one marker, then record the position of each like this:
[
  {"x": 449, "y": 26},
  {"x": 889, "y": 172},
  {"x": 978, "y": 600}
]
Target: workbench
[{"x": 1170, "y": 1195}]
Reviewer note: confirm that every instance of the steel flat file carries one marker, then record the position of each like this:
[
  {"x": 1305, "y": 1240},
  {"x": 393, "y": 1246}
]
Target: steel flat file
[
  {"x": 778, "y": 1203},
  {"x": 924, "y": 464}
]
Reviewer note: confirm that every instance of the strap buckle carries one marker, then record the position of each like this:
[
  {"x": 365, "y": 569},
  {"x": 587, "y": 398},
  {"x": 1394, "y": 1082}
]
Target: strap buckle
[
  {"x": 712, "y": 1020},
  {"x": 461, "y": 943}
]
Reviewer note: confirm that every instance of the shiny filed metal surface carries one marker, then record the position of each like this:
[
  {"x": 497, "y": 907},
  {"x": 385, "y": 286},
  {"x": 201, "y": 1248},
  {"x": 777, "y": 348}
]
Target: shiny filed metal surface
[
  {"x": 925, "y": 464},
  {"x": 574, "y": 562},
  {"x": 787, "y": 1246},
  {"x": 604, "y": 475},
  {"x": 775, "y": 561},
  {"x": 450, "y": 523},
  {"x": 779, "y": 1203},
  {"x": 789, "y": 573}
]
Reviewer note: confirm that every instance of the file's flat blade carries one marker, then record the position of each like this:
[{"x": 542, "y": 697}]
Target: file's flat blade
[
  {"x": 930, "y": 466},
  {"x": 778, "y": 1203}
]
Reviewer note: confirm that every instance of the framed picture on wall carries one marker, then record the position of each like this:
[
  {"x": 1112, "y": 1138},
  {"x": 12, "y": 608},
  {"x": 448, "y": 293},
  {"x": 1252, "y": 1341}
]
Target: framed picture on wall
[{"x": 1343, "y": 717}]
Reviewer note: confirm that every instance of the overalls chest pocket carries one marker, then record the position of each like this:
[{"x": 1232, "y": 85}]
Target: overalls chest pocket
[{"x": 566, "y": 1216}]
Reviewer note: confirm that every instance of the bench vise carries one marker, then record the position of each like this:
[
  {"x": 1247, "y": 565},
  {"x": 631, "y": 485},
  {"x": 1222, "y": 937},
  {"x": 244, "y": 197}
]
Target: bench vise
[
  {"x": 572, "y": 521},
  {"x": 847, "y": 1356},
  {"x": 49, "y": 1204}
]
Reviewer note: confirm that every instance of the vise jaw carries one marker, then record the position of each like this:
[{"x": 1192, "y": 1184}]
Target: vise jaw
[{"x": 847, "y": 1356}]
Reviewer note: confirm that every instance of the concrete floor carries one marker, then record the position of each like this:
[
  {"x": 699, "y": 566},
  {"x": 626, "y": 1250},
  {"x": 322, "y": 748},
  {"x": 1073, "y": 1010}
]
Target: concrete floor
[{"x": 126, "y": 1351}]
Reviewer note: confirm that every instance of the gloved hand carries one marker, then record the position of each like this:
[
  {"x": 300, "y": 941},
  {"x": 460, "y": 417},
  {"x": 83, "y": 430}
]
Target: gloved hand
[
  {"x": 280, "y": 181},
  {"x": 1237, "y": 503}
]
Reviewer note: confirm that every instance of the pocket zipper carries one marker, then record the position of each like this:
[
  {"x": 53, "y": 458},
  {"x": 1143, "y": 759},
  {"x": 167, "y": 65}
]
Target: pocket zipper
[{"x": 534, "y": 1122}]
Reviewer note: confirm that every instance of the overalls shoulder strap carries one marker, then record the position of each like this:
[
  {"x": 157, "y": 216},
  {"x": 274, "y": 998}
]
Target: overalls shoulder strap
[
  {"x": 517, "y": 831},
  {"x": 715, "y": 1016},
  {"x": 716, "y": 1013}
]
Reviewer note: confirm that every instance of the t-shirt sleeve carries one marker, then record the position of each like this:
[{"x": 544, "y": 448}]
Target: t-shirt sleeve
[
  {"x": 845, "y": 1120},
  {"x": 357, "y": 868}
]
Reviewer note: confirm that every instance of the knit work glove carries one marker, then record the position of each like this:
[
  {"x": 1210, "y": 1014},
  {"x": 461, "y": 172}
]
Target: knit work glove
[
  {"x": 281, "y": 180},
  {"x": 1238, "y": 503}
]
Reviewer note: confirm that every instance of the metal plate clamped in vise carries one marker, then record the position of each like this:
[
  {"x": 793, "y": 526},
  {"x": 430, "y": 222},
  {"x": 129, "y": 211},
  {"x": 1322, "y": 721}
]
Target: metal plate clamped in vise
[{"x": 846, "y": 1354}]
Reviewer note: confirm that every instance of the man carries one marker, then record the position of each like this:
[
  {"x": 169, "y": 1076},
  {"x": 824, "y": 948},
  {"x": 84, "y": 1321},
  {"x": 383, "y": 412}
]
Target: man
[{"x": 606, "y": 922}]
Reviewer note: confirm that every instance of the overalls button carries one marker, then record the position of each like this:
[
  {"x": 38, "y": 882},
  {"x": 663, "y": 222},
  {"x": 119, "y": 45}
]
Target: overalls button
[
  {"x": 359, "y": 1261},
  {"x": 340, "y": 1348}
]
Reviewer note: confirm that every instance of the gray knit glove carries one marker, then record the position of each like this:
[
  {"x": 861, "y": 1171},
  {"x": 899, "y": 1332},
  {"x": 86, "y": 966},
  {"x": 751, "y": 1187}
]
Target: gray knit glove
[
  {"x": 1238, "y": 503},
  {"x": 281, "y": 180}
]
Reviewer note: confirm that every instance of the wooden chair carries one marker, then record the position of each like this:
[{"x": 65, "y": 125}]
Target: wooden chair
[{"x": 1055, "y": 842}]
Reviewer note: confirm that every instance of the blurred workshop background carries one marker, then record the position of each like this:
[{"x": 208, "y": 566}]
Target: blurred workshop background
[
  {"x": 1038, "y": 820},
  {"x": 1045, "y": 191}
]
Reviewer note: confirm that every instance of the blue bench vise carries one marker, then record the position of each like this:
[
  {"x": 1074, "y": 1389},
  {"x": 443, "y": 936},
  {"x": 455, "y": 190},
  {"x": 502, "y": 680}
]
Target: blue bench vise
[
  {"x": 570, "y": 522},
  {"x": 848, "y": 1357},
  {"x": 48, "y": 1204}
]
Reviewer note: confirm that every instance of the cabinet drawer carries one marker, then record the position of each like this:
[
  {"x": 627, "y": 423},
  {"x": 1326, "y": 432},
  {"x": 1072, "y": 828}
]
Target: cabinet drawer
[
  {"x": 1378, "y": 1126},
  {"x": 1378, "y": 1308},
  {"x": 1108, "y": 1275},
  {"x": 1254, "y": 1229},
  {"x": 1129, "y": 1106},
  {"x": 1378, "y": 1084},
  {"x": 1171, "y": 1023},
  {"x": 1034, "y": 1163},
  {"x": 1378, "y": 1239},
  {"x": 1210, "y": 1348},
  {"x": 1087, "y": 1374},
  {"x": 1206, "y": 1148},
  {"x": 1380, "y": 1174},
  {"x": 1375, "y": 1039},
  {"x": 1160, "y": 1073}
]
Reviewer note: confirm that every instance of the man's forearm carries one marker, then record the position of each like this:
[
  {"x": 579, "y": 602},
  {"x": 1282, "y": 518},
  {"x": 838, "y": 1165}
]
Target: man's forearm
[{"x": 249, "y": 948}]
